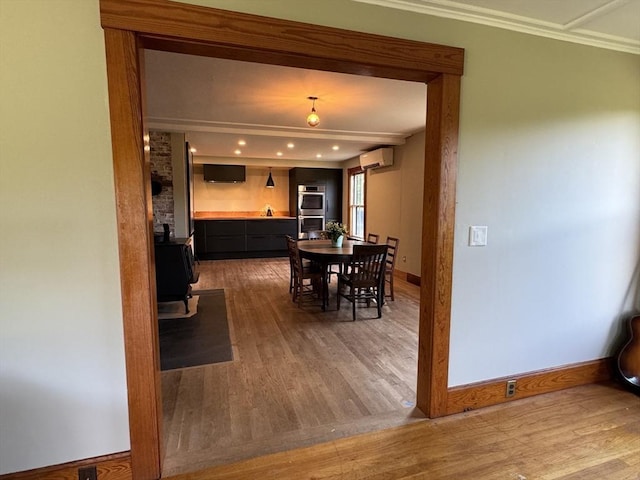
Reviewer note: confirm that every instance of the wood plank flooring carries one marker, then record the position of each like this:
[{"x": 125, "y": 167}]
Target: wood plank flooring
[
  {"x": 299, "y": 376},
  {"x": 590, "y": 432},
  {"x": 309, "y": 394}
]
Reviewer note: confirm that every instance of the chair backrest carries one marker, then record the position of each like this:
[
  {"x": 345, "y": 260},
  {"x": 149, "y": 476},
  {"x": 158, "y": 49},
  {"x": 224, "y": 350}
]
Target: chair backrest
[
  {"x": 292, "y": 248},
  {"x": 392, "y": 244},
  {"x": 317, "y": 235},
  {"x": 294, "y": 254},
  {"x": 373, "y": 238},
  {"x": 367, "y": 265}
]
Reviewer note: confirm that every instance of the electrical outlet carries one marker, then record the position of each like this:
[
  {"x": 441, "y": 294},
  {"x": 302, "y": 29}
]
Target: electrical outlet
[
  {"x": 87, "y": 473},
  {"x": 511, "y": 388},
  {"x": 404, "y": 258}
]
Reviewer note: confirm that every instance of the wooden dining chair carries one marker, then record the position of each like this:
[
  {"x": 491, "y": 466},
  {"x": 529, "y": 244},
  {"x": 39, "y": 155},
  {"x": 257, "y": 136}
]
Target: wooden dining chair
[
  {"x": 373, "y": 238},
  {"x": 317, "y": 235},
  {"x": 392, "y": 250},
  {"x": 365, "y": 277},
  {"x": 307, "y": 278},
  {"x": 322, "y": 235},
  {"x": 290, "y": 242}
]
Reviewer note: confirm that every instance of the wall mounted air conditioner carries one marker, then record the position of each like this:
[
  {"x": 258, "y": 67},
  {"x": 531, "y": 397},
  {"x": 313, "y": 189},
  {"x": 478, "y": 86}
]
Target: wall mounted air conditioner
[{"x": 381, "y": 157}]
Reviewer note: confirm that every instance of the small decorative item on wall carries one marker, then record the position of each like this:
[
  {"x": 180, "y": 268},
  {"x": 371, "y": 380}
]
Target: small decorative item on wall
[
  {"x": 336, "y": 232},
  {"x": 156, "y": 184}
]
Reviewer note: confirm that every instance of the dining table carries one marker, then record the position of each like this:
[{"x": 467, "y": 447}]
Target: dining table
[{"x": 323, "y": 253}]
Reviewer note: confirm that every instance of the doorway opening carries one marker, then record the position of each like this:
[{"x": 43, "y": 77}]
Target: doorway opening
[
  {"x": 308, "y": 376},
  {"x": 204, "y": 31}
]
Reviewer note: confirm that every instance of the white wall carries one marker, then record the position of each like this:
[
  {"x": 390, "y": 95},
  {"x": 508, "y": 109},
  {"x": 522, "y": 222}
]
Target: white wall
[
  {"x": 549, "y": 158},
  {"x": 62, "y": 374},
  {"x": 180, "y": 186}
]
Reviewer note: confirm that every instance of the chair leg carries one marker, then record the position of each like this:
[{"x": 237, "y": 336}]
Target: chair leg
[
  {"x": 299, "y": 292},
  {"x": 353, "y": 303},
  {"x": 391, "y": 286},
  {"x": 294, "y": 289}
]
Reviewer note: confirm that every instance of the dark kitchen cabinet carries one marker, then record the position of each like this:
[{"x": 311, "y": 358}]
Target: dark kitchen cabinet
[
  {"x": 331, "y": 178},
  {"x": 226, "y": 236},
  {"x": 269, "y": 235},
  {"x": 243, "y": 238}
]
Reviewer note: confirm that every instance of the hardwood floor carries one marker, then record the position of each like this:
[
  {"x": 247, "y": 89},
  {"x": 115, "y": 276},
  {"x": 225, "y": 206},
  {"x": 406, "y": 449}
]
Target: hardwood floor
[
  {"x": 303, "y": 380},
  {"x": 587, "y": 433},
  {"x": 299, "y": 376}
]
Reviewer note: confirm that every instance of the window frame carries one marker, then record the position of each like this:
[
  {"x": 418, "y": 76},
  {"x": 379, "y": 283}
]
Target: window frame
[{"x": 351, "y": 173}]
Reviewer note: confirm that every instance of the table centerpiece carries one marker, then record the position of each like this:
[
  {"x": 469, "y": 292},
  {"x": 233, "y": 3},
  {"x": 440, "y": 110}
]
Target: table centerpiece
[{"x": 336, "y": 232}]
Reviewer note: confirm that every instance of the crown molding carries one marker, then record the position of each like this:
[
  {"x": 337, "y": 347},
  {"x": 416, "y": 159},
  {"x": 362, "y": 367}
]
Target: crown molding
[
  {"x": 493, "y": 18},
  {"x": 182, "y": 125}
]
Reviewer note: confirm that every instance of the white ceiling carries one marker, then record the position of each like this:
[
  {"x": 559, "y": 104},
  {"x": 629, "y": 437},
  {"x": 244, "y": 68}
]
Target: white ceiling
[
  {"x": 612, "y": 24},
  {"x": 218, "y": 102}
]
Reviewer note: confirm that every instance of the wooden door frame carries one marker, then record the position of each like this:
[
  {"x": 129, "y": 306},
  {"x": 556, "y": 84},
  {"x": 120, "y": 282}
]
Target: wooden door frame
[{"x": 133, "y": 25}]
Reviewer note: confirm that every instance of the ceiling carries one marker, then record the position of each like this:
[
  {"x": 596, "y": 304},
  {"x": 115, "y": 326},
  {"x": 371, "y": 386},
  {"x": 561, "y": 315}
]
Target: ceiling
[
  {"x": 612, "y": 24},
  {"x": 220, "y": 102}
]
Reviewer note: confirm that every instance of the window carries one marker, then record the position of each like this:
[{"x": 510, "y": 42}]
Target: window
[{"x": 356, "y": 202}]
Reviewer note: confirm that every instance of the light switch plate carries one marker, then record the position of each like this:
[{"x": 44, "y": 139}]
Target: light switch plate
[{"x": 478, "y": 235}]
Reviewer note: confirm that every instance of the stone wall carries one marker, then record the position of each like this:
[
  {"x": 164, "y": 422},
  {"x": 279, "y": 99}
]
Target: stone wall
[{"x": 162, "y": 171}]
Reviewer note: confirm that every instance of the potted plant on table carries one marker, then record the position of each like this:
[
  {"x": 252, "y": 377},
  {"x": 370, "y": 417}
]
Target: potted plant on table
[{"x": 336, "y": 232}]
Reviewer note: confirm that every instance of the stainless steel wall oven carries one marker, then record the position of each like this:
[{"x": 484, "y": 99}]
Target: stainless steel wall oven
[
  {"x": 311, "y": 201},
  {"x": 311, "y": 209}
]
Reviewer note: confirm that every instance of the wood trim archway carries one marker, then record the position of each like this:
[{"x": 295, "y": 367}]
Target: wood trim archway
[{"x": 133, "y": 25}]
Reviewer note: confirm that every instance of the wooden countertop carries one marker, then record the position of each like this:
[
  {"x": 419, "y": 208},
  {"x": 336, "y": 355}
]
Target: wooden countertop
[{"x": 215, "y": 217}]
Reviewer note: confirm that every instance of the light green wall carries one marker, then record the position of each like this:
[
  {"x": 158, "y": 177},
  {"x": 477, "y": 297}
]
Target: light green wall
[
  {"x": 62, "y": 374},
  {"x": 549, "y": 159}
]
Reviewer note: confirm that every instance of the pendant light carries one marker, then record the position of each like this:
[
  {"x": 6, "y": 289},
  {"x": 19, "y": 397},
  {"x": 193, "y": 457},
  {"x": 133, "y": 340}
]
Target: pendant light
[
  {"x": 270, "y": 183},
  {"x": 313, "y": 119}
]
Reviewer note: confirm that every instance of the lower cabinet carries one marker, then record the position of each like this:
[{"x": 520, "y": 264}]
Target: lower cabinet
[{"x": 218, "y": 239}]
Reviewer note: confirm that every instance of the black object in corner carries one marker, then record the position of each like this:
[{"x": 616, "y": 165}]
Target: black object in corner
[{"x": 176, "y": 270}]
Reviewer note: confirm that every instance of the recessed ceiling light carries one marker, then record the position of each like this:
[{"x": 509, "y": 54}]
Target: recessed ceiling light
[
  {"x": 279, "y": 154},
  {"x": 242, "y": 143},
  {"x": 319, "y": 155},
  {"x": 237, "y": 151},
  {"x": 290, "y": 145},
  {"x": 335, "y": 147}
]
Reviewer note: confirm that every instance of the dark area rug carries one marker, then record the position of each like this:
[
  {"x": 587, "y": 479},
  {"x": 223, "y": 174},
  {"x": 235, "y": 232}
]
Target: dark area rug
[{"x": 198, "y": 340}]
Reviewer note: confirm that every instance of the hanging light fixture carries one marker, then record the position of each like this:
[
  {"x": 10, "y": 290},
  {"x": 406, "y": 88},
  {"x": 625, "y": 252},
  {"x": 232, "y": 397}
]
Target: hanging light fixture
[
  {"x": 313, "y": 119},
  {"x": 270, "y": 182}
]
